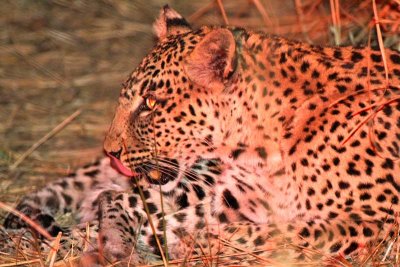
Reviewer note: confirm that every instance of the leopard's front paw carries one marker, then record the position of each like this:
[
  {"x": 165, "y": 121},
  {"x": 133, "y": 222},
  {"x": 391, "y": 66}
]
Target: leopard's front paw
[{"x": 113, "y": 246}]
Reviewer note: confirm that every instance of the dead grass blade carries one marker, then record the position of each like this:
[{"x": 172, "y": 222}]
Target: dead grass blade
[
  {"x": 380, "y": 41},
  {"x": 55, "y": 246},
  {"x": 335, "y": 13},
  {"x": 223, "y": 13},
  {"x": 21, "y": 263},
  {"x": 45, "y": 138},
  {"x": 201, "y": 12},
  {"x": 250, "y": 253},
  {"x": 267, "y": 20},
  {"x": 149, "y": 218}
]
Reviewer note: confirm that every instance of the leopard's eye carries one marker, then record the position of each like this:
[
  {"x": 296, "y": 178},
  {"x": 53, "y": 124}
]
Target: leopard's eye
[{"x": 151, "y": 102}]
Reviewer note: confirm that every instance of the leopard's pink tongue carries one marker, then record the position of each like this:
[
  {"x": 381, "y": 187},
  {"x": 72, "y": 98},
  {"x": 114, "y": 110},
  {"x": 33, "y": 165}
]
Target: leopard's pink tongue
[{"x": 117, "y": 165}]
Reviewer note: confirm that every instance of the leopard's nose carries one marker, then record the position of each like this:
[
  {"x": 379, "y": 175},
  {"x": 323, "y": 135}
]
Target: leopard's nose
[
  {"x": 116, "y": 136},
  {"x": 115, "y": 154}
]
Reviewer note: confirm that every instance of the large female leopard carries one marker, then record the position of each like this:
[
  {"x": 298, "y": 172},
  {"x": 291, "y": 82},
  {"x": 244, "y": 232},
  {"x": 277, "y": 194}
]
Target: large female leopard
[{"x": 255, "y": 140}]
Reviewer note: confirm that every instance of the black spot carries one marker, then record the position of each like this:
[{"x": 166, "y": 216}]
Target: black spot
[
  {"x": 259, "y": 241},
  {"x": 370, "y": 152},
  {"x": 336, "y": 161},
  {"x": 341, "y": 230},
  {"x": 367, "y": 232},
  {"x": 67, "y": 199},
  {"x": 209, "y": 179},
  {"x": 355, "y": 143},
  {"x": 333, "y": 76},
  {"x": 353, "y": 231},
  {"x": 304, "y": 232},
  {"x": 395, "y": 58},
  {"x": 222, "y": 218},
  {"x": 91, "y": 173},
  {"x": 180, "y": 217},
  {"x": 329, "y": 202},
  {"x": 287, "y": 92},
  {"x": 335, "y": 247},
  {"x": 132, "y": 201},
  {"x": 376, "y": 58},
  {"x": 199, "y": 210},
  {"x": 334, "y": 126},
  {"x": 315, "y": 74},
  {"x": 381, "y": 198},
  {"x": 312, "y": 106},
  {"x": 170, "y": 108},
  {"x": 352, "y": 247},
  {"x": 387, "y": 110},
  {"x": 55, "y": 230},
  {"x": 338, "y": 54},
  {"x": 326, "y": 167},
  {"x": 153, "y": 243},
  {"x": 192, "y": 110},
  {"x": 236, "y": 153},
  {"x": 362, "y": 186},
  {"x": 261, "y": 152},
  {"x": 351, "y": 169},
  {"x": 388, "y": 211},
  {"x": 304, "y": 162},
  {"x": 344, "y": 185},
  {"x": 365, "y": 196},
  {"x": 282, "y": 58},
  {"x": 304, "y": 66},
  {"x": 182, "y": 201},
  {"x": 355, "y": 56},
  {"x": 45, "y": 220},
  {"x": 348, "y": 65},
  {"x": 229, "y": 200},
  {"x": 310, "y": 191},
  {"x": 317, "y": 234},
  {"x": 293, "y": 149},
  {"x": 332, "y": 215},
  {"x": 79, "y": 186},
  {"x": 199, "y": 191},
  {"x": 341, "y": 88},
  {"x": 52, "y": 202},
  {"x": 390, "y": 179},
  {"x": 356, "y": 218}
]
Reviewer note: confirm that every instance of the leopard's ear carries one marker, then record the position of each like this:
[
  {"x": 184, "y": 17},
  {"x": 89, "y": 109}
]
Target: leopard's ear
[
  {"x": 212, "y": 62},
  {"x": 170, "y": 22}
]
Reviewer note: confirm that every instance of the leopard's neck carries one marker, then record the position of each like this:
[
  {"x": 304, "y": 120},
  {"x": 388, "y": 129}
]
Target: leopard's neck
[{"x": 275, "y": 78}]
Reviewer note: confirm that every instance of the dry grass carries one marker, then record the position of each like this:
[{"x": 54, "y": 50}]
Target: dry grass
[{"x": 58, "y": 56}]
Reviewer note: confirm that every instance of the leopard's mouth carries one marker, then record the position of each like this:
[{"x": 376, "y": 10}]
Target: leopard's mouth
[
  {"x": 158, "y": 173},
  {"x": 118, "y": 166},
  {"x": 153, "y": 173}
]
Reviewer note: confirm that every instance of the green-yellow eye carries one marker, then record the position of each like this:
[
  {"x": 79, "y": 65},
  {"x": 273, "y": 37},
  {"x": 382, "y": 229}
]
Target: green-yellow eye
[{"x": 151, "y": 102}]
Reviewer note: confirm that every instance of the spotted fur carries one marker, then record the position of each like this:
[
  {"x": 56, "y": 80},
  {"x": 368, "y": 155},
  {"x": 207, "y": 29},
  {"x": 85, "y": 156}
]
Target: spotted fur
[{"x": 280, "y": 141}]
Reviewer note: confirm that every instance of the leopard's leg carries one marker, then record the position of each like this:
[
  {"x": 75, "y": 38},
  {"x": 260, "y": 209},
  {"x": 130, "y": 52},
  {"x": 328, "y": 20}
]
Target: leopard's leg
[
  {"x": 69, "y": 194},
  {"x": 125, "y": 231}
]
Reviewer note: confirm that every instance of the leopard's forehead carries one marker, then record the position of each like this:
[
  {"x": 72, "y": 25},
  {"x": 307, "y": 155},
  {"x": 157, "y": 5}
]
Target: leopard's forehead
[{"x": 162, "y": 67}]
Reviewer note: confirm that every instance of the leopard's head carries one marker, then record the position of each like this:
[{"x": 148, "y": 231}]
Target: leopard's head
[{"x": 169, "y": 111}]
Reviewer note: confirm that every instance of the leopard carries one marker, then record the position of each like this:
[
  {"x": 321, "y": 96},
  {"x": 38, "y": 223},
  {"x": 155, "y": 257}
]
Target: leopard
[{"x": 228, "y": 136}]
